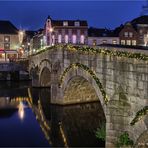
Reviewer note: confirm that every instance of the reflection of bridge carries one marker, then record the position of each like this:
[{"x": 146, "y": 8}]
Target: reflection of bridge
[
  {"x": 59, "y": 124},
  {"x": 116, "y": 77}
]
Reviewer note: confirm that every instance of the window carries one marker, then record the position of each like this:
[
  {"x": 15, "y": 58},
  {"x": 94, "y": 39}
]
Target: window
[
  {"x": 6, "y": 38},
  {"x": 74, "y": 39},
  {"x": 130, "y": 34},
  {"x": 94, "y": 42},
  {"x": 134, "y": 42},
  {"x": 82, "y": 39},
  {"x": 65, "y": 23},
  {"x": 104, "y": 41},
  {"x": 122, "y": 42},
  {"x": 77, "y": 23},
  {"x": 59, "y": 38},
  {"x": 141, "y": 31},
  {"x": 6, "y": 46},
  {"x": 114, "y": 42},
  {"x": 128, "y": 42},
  {"x": 66, "y": 39},
  {"x": 126, "y": 34},
  {"x": 53, "y": 40}
]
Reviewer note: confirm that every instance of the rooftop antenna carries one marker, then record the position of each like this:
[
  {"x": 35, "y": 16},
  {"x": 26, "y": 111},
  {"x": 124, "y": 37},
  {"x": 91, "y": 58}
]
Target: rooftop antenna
[{"x": 145, "y": 9}]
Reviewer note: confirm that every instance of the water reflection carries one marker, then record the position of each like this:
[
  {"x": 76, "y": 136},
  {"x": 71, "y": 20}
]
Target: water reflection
[
  {"x": 62, "y": 126},
  {"x": 21, "y": 112}
]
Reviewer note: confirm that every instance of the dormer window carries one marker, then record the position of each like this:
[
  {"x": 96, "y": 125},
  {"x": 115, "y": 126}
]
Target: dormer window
[
  {"x": 77, "y": 23},
  {"x": 65, "y": 23}
]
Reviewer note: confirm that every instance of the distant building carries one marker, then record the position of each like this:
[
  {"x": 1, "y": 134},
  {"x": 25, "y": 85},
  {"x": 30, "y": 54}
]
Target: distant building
[
  {"x": 98, "y": 36},
  {"x": 135, "y": 32},
  {"x": 128, "y": 35},
  {"x": 9, "y": 41},
  {"x": 27, "y": 44},
  {"x": 65, "y": 31}
]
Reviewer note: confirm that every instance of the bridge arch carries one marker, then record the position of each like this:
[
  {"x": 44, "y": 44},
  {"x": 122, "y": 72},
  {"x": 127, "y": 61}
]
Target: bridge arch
[
  {"x": 86, "y": 77},
  {"x": 45, "y": 73}
]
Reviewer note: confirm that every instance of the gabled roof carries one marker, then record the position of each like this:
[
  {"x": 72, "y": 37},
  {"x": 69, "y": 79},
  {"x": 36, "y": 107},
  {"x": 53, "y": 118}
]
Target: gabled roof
[
  {"x": 6, "y": 27},
  {"x": 140, "y": 20}
]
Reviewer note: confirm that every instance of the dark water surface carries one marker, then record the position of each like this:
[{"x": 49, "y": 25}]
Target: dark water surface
[{"x": 28, "y": 119}]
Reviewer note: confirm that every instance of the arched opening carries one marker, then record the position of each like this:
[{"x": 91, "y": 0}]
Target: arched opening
[
  {"x": 45, "y": 77},
  {"x": 84, "y": 116},
  {"x": 79, "y": 90}
]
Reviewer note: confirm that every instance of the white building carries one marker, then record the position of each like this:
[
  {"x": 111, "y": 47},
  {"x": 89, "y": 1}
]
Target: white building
[
  {"x": 65, "y": 31},
  {"x": 98, "y": 36}
]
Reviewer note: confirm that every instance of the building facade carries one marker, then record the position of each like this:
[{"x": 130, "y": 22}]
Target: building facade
[
  {"x": 98, "y": 36},
  {"x": 65, "y": 31},
  {"x": 128, "y": 35},
  {"x": 9, "y": 41}
]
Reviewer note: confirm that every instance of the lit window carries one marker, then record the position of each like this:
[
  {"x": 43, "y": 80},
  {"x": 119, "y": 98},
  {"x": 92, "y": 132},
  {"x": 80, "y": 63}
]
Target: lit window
[
  {"x": 126, "y": 34},
  {"x": 114, "y": 42},
  {"x": 6, "y": 38},
  {"x": 77, "y": 23},
  {"x": 65, "y": 23},
  {"x": 6, "y": 46},
  {"x": 66, "y": 39},
  {"x": 122, "y": 42},
  {"x": 130, "y": 34},
  {"x": 94, "y": 42},
  {"x": 128, "y": 42},
  {"x": 104, "y": 42},
  {"x": 59, "y": 38},
  {"x": 134, "y": 42},
  {"x": 74, "y": 39},
  {"x": 82, "y": 39}
]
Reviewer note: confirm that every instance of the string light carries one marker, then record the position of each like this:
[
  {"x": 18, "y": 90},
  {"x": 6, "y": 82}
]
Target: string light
[{"x": 139, "y": 115}]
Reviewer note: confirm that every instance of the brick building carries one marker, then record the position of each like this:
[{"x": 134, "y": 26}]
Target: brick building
[{"x": 134, "y": 32}]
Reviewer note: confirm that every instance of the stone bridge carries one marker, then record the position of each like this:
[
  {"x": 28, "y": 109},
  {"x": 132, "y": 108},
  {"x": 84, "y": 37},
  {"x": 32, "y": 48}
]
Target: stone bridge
[{"x": 116, "y": 77}]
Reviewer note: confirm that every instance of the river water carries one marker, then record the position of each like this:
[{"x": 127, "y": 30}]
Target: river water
[{"x": 28, "y": 119}]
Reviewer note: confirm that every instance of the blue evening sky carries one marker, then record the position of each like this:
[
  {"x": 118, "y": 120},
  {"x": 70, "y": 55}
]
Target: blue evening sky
[{"x": 31, "y": 15}]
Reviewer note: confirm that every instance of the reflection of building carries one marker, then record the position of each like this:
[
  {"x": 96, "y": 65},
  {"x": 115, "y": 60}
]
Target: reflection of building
[{"x": 9, "y": 40}]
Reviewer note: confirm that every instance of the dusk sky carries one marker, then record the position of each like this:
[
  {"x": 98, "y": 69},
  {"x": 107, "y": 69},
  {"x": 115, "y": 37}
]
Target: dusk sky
[{"x": 31, "y": 15}]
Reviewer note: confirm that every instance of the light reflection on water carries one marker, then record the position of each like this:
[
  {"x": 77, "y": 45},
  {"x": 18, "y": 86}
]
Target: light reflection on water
[{"x": 47, "y": 125}]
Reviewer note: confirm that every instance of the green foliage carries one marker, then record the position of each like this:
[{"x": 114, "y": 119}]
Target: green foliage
[
  {"x": 101, "y": 132},
  {"x": 124, "y": 140}
]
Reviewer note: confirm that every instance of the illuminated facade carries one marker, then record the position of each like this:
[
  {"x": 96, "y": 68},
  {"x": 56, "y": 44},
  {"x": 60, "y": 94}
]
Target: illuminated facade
[
  {"x": 9, "y": 41},
  {"x": 65, "y": 31}
]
